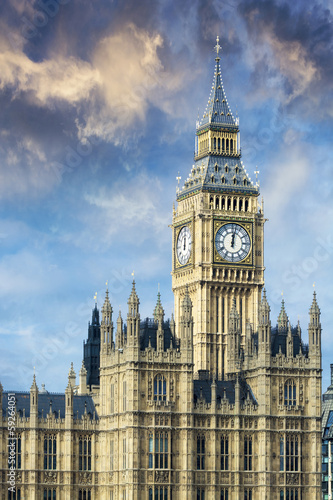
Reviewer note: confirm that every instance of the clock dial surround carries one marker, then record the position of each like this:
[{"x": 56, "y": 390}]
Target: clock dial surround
[
  {"x": 184, "y": 245},
  {"x": 232, "y": 242}
]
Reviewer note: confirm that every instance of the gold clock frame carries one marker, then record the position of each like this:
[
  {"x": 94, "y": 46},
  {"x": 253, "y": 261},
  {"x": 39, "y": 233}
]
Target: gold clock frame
[
  {"x": 177, "y": 264},
  {"x": 248, "y": 226}
]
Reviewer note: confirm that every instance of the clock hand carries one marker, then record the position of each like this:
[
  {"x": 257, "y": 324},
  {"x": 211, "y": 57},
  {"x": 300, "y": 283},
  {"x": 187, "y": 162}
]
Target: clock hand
[
  {"x": 233, "y": 240},
  {"x": 184, "y": 243}
]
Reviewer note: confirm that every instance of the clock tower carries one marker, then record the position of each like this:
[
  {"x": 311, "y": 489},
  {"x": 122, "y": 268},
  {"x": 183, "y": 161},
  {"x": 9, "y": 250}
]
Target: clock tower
[{"x": 218, "y": 229}]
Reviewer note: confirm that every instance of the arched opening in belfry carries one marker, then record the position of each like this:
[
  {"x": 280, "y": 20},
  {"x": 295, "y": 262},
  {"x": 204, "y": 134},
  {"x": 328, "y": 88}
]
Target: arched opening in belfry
[
  {"x": 231, "y": 145},
  {"x": 246, "y": 205},
  {"x": 219, "y": 144},
  {"x": 229, "y": 204},
  {"x": 240, "y": 204},
  {"x": 223, "y": 144}
]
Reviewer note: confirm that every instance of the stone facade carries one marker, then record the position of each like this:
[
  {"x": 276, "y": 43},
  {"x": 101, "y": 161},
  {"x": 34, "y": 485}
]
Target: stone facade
[{"x": 214, "y": 404}]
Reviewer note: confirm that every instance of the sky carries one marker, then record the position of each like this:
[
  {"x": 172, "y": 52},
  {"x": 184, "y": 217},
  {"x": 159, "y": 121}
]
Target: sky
[{"x": 99, "y": 102}]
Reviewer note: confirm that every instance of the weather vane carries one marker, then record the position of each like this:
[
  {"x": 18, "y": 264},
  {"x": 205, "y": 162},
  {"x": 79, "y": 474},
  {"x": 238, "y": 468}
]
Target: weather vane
[
  {"x": 217, "y": 46},
  {"x": 133, "y": 274}
]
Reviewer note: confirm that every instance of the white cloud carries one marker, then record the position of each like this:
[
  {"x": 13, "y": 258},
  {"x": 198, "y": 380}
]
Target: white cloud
[
  {"x": 58, "y": 79},
  {"x": 131, "y": 208}
]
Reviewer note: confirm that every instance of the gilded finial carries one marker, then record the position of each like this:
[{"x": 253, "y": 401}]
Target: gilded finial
[
  {"x": 95, "y": 297},
  {"x": 257, "y": 172},
  {"x": 217, "y": 46}
]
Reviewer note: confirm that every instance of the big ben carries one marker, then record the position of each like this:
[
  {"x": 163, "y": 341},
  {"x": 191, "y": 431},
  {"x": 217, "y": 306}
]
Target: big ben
[{"x": 218, "y": 234}]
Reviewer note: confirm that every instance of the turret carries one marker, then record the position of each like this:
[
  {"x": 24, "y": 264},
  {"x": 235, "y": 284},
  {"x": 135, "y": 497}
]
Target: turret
[
  {"x": 314, "y": 329},
  {"x": 290, "y": 343},
  {"x": 72, "y": 377},
  {"x": 106, "y": 325},
  {"x": 159, "y": 317},
  {"x": 133, "y": 319},
  {"x": 282, "y": 319},
  {"x": 264, "y": 328},
  {"x": 233, "y": 339},
  {"x": 69, "y": 400},
  {"x": 119, "y": 333},
  {"x": 186, "y": 322},
  {"x": 83, "y": 380},
  {"x": 34, "y": 398}
]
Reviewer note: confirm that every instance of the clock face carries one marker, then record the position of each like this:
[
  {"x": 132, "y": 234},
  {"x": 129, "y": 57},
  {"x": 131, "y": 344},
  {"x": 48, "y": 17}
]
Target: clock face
[
  {"x": 232, "y": 242},
  {"x": 184, "y": 244}
]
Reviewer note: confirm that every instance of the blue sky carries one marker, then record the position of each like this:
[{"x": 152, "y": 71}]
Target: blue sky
[{"x": 99, "y": 102}]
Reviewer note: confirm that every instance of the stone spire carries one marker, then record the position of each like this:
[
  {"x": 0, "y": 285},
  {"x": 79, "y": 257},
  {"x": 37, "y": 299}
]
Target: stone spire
[
  {"x": 264, "y": 327},
  {"x": 133, "y": 318},
  {"x": 72, "y": 376},
  {"x": 218, "y": 164},
  {"x": 119, "y": 332},
  {"x": 106, "y": 324},
  {"x": 315, "y": 332},
  {"x": 83, "y": 379},
  {"x": 233, "y": 339},
  {"x": 282, "y": 319},
  {"x": 159, "y": 317}
]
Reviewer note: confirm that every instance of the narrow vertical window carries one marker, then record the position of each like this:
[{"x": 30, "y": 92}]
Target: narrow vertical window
[
  {"x": 112, "y": 398},
  {"x": 111, "y": 454},
  {"x": 85, "y": 453},
  {"x": 281, "y": 454},
  {"x": 124, "y": 395},
  {"x": 224, "y": 453},
  {"x": 50, "y": 452},
  {"x": 200, "y": 452},
  {"x": 124, "y": 454},
  {"x": 248, "y": 453},
  {"x": 159, "y": 388}
]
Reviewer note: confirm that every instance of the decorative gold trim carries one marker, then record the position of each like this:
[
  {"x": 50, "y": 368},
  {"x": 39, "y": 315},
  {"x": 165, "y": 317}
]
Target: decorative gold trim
[
  {"x": 188, "y": 223},
  {"x": 248, "y": 226}
]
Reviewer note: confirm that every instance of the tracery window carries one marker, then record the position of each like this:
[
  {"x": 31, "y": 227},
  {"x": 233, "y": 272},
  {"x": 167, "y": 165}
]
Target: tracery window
[
  {"x": 50, "y": 494},
  {"x": 290, "y": 393},
  {"x": 14, "y": 495},
  {"x": 290, "y": 453},
  {"x": 84, "y": 494},
  {"x": 159, "y": 493},
  {"x": 201, "y": 452},
  {"x": 159, "y": 388},
  {"x": 224, "y": 453},
  {"x": 248, "y": 453},
  {"x": 159, "y": 450},
  {"x": 248, "y": 494},
  {"x": 224, "y": 494},
  {"x": 50, "y": 452},
  {"x": 200, "y": 494},
  {"x": 290, "y": 494},
  {"x": 85, "y": 453}
]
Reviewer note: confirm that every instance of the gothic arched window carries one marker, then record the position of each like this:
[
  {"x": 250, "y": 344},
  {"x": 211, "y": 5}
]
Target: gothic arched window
[
  {"x": 290, "y": 393},
  {"x": 159, "y": 388}
]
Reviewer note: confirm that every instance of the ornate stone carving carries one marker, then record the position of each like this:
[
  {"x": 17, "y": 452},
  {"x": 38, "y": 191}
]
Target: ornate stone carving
[
  {"x": 161, "y": 476},
  {"x": 50, "y": 477},
  {"x": 85, "y": 478}
]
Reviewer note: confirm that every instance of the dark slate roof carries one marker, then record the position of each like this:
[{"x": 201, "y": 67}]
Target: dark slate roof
[
  {"x": 80, "y": 404},
  {"x": 223, "y": 174},
  {"x": 148, "y": 330},
  {"x": 224, "y": 388},
  {"x": 217, "y": 110},
  {"x": 279, "y": 342}
]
